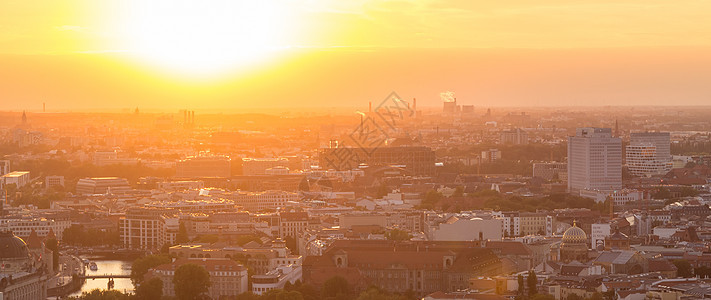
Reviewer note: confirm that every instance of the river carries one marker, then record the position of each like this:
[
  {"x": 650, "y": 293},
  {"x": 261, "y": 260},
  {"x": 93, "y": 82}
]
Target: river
[{"x": 115, "y": 267}]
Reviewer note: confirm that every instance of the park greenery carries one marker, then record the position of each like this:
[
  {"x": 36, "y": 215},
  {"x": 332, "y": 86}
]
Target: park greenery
[{"x": 490, "y": 199}]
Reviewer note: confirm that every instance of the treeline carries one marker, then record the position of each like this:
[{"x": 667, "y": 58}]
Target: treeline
[
  {"x": 490, "y": 199},
  {"x": 528, "y": 152},
  {"x": 79, "y": 236},
  {"x": 691, "y": 148},
  {"x": 72, "y": 173},
  {"x": 515, "y": 159}
]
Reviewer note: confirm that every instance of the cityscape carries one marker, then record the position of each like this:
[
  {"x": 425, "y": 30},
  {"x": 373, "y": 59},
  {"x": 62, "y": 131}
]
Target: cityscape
[{"x": 373, "y": 150}]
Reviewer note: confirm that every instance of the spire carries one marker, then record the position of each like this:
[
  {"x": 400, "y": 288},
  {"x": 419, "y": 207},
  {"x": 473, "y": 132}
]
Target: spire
[{"x": 24, "y": 117}]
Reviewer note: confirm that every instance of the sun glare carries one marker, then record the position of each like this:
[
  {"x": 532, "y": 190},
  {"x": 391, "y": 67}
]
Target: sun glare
[{"x": 204, "y": 38}]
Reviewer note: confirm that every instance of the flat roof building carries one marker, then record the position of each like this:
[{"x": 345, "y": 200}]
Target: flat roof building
[
  {"x": 18, "y": 178},
  {"x": 594, "y": 160},
  {"x": 102, "y": 185}
]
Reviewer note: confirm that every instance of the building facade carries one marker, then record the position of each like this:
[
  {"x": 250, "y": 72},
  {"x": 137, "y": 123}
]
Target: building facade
[
  {"x": 227, "y": 277},
  {"x": 649, "y": 153},
  {"x": 594, "y": 160}
]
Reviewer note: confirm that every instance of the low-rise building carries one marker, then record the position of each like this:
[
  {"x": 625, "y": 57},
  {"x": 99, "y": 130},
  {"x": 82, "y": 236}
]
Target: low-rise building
[{"x": 18, "y": 178}]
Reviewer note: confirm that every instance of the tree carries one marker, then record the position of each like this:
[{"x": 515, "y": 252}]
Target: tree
[
  {"x": 609, "y": 295},
  {"x": 151, "y": 289},
  {"x": 98, "y": 294},
  {"x": 247, "y": 296},
  {"x": 191, "y": 281},
  {"x": 683, "y": 268},
  {"x": 375, "y": 293},
  {"x": 532, "y": 282},
  {"x": 335, "y": 287},
  {"x": 521, "y": 287},
  {"x": 53, "y": 245},
  {"x": 397, "y": 235},
  {"x": 140, "y": 266},
  {"x": 574, "y": 297},
  {"x": 243, "y": 239},
  {"x": 290, "y": 242},
  {"x": 432, "y": 198},
  {"x": 208, "y": 238},
  {"x": 308, "y": 291},
  {"x": 542, "y": 297},
  {"x": 182, "y": 236},
  {"x": 458, "y": 191},
  {"x": 703, "y": 272},
  {"x": 280, "y": 294},
  {"x": 596, "y": 296},
  {"x": 383, "y": 190},
  {"x": 165, "y": 249}
]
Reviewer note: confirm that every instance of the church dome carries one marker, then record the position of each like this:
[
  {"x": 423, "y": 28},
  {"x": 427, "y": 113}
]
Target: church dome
[
  {"x": 575, "y": 235},
  {"x": 12, "y": 247}
]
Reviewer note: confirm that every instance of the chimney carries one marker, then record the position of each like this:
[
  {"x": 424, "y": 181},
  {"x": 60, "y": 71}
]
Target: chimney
[
  {"x": 414, "y": 104},
  {"x": 370, "y": 106}
]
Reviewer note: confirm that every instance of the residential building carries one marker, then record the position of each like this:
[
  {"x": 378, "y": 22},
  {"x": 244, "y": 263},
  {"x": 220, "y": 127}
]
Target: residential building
[
  {"x": 51, "y": 181},
  {"x": 147, "y": 228},
  {"x": 22, "y": 227},
  {"x": 292, "y": 223}
]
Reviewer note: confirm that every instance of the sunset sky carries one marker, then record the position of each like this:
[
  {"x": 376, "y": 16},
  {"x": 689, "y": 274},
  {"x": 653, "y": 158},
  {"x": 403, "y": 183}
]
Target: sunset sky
[{"x": 103, "y": 55}]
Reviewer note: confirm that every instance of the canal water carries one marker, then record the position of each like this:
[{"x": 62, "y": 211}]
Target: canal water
[{"x": 115, "y": 267}]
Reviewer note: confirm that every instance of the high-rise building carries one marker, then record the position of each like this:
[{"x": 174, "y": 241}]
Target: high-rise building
[
  {"x": 649, "y": 153},
  {"x": 594, "y": 160},
  {"x": 4, "y": 167},
  {"x": 490, "y": 156}
]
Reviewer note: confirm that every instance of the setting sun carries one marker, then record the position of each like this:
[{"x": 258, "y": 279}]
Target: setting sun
[{"x": 202, "y": 38}]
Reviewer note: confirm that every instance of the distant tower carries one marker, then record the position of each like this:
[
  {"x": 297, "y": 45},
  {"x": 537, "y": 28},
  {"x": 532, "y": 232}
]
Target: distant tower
[
  {"x": 136, "y": 111},
  {"x": 24, "y": 118},
  {"x": 617, "y": 129}
]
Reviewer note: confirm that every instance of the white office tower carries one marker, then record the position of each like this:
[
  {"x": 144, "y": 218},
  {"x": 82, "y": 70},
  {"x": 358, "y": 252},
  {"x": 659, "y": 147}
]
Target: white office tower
[
  {"x": 594, "y": 160},
  {"x": 648, "y": 153}
]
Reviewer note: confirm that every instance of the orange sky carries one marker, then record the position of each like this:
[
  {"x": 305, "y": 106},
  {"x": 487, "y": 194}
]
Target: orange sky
[{"x": 176, "y": 54}]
